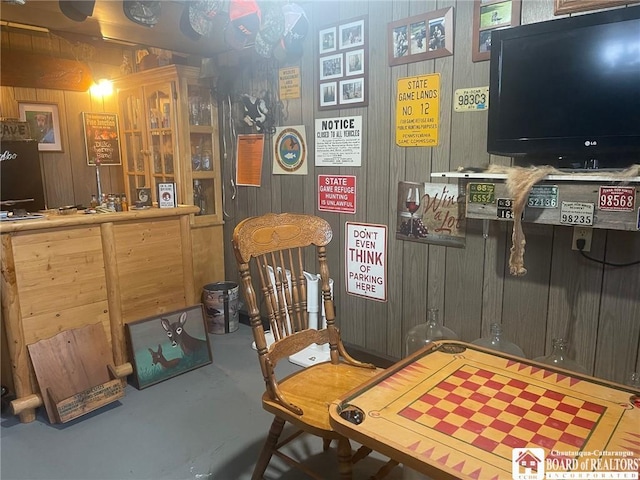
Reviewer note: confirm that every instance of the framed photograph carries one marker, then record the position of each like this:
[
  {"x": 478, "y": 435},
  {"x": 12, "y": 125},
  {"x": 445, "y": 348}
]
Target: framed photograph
[
  {"x": 351, "y": 91},
  {"x": 343, "y": 54},
  {"x": 563, "y": 7},
  {"x": 167, "y": 195},
  {"x": 422, "y": 37},
  {"x": 352, "y": 34},
  {"x": 354, "y": 62},
  {"x": 331, "y": 67},
  {"x": 143, "y": 197},
  {"x": 487, "y": 17},
  {"x": 101, "y": 138},
  {"x": 44, "y": 124},
  {"x": 328, "y": 94},
  {"x": 328, "y": 40},
  {"x": 168, "y": 345}
]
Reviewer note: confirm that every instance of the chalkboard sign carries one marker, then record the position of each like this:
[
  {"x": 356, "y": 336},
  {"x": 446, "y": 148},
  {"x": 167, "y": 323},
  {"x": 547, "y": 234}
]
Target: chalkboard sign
[{"x": 102, "y": 138}]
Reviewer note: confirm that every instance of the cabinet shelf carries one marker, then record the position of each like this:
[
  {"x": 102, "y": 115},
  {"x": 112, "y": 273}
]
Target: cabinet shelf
[
  {"x": 599, "y": 200},
  {"x": 169, "y": 119}
]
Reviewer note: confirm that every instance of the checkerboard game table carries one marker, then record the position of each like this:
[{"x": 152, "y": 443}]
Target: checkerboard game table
[{"x": 455, "y": 410}]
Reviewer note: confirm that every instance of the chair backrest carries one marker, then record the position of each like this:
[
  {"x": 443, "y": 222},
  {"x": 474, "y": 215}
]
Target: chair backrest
[{"x": 270, "y": 248}]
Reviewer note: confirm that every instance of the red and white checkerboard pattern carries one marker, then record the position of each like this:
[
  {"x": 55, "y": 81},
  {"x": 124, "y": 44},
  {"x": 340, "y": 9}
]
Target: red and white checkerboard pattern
[{"x": 496, "y": 413}]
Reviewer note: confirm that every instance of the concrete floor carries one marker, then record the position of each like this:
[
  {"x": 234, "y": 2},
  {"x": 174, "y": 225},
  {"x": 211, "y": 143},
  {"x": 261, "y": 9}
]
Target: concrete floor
[{"x": 207, "y": 424}]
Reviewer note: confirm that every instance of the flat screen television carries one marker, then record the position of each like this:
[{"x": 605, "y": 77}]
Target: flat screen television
[{"x": 566, "y": 92}]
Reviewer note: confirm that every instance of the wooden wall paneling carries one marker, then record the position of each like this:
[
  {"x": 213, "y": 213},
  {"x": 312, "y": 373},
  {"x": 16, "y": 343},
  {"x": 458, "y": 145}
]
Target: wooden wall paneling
[
  {"x": 415, "y": 261},
  {"x": 397, "y": 322},
  {"x": 468, "y": 148},
  {"x": 111, "y": 176},
  {"x": 574, "y": 298},
  {"x": 381, "y": 206},
  {"x": 494, "y": 271},
  {"x": 325, "y": 13},
  {"x": 8, "y": 104},
  {"x": 404, "y": 312},
  {"x": 533, "y": 12},
  {"x": 526, "y": 298},
  {"x": 529, "y": 307},
  {"x": 305, "y": 115},
  {"x": 46, "y": 44},
  {"x": 58, "y": 177},
  {"x": 618, "y": 333},
  {"x": 83, "y": 176},
  {"x": 440, "y": 162},
  {"x": 463, "y": 285},
  {"x": 20, "y": 39},
  {"x": 354, "y": 330}
]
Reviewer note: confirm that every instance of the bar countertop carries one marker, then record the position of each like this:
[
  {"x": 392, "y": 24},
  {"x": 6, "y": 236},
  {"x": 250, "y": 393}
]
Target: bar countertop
[{"x": 56, "y": 220}]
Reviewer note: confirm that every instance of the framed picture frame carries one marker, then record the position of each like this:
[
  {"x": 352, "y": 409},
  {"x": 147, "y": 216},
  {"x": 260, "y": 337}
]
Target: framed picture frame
[
  {"x": 354, "y": 62},
  {"x": 343, "y": 68},
  {"x": 101, "y": 138},
  {"x": 167, "y": 195},
  {"x": 563, "y": 7},
  {"x": 351, "y": 34},
  {"x": 490, "y": 15},
  {"x": 421, "y": 37},
  {"x": 328, "y": 40},
  {"x": 143, "y": 198},
  {"x": 331, "y": 67},
  {"x": 166, "y": 345},
  {"x": 328, "y": 94},
  {"x": 351, "y": 91},
  {"x": 44, "y": 123}
]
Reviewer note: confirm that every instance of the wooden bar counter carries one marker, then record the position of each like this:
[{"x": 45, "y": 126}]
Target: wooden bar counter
[{"x": 63, "y": 272}]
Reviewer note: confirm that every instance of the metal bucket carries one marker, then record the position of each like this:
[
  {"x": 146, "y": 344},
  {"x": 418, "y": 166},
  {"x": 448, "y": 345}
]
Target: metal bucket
[{"x": 220, "y": 301}]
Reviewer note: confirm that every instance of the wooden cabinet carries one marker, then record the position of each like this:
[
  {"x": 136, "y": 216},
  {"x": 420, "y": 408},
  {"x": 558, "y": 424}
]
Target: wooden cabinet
[
  {"x": 68, "y": 271},
  {"x": 169, "y": 131}
]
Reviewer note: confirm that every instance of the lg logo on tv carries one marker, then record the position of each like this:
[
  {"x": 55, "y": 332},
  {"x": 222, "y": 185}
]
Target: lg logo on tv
[{"x": 590, "y": 143}]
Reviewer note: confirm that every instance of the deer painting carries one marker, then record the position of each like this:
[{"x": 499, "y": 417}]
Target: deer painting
[
  {"x": 159, "y": 358},
  {"x": 179, "y": 336}
]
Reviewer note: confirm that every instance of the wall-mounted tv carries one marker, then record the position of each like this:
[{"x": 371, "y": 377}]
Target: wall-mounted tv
[{"x": 567, "y": 92}]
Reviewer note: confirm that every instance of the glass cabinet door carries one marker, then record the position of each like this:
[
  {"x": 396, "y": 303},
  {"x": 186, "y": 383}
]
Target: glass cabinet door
[
  {"x": 133, "y": 144},
  {"x": 201, "y": 141},
  {"x": 161, "y": 122}
]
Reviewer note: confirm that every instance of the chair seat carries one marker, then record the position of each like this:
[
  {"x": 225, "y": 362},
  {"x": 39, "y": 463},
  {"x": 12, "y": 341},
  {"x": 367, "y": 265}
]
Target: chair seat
[{"x": 313, "y": 389}]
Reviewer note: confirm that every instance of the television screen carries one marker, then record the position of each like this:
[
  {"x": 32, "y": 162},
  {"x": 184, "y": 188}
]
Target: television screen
[{"x": 567, "y": 92}]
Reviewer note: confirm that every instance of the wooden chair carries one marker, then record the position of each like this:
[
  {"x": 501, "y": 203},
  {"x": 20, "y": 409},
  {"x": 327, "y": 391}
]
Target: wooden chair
[{"x": 278, "y": 243}]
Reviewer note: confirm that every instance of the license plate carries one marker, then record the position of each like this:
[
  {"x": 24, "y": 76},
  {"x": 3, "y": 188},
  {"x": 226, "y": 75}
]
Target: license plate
[
  {"x": 576, "y": 213},
  {"x": 505, "y": 208},
  {"x": 543, "y": 196},
  {"x": 617, "y": 199},
  {"x": 471, "y": 99},
  {"x": 482, "y": 193}
]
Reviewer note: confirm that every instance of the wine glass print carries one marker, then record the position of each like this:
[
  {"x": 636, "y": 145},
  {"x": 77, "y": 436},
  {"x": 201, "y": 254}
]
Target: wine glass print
[{"x": 412, "y": 204}]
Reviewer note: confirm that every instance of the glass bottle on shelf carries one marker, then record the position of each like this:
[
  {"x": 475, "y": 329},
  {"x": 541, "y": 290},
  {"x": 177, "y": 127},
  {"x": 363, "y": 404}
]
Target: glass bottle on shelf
[
  {"x": 198, "y": 197},
  {"x": 427, "y": 332},
  {"x": 633, "y": 380},
  {"x": 496, "y": 341},
  {"x": 559, "y": 357}
]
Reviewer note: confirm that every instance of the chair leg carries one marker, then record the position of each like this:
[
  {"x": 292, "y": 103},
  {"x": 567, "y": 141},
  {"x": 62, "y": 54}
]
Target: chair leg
[
  {"x": 326, "y": 443},
  {"x": 267, "y": 449},
  {"x": 344, "y": 459}
]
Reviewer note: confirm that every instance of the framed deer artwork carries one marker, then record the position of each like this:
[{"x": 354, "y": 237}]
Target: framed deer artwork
[{"x": 168, "y": 345}]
